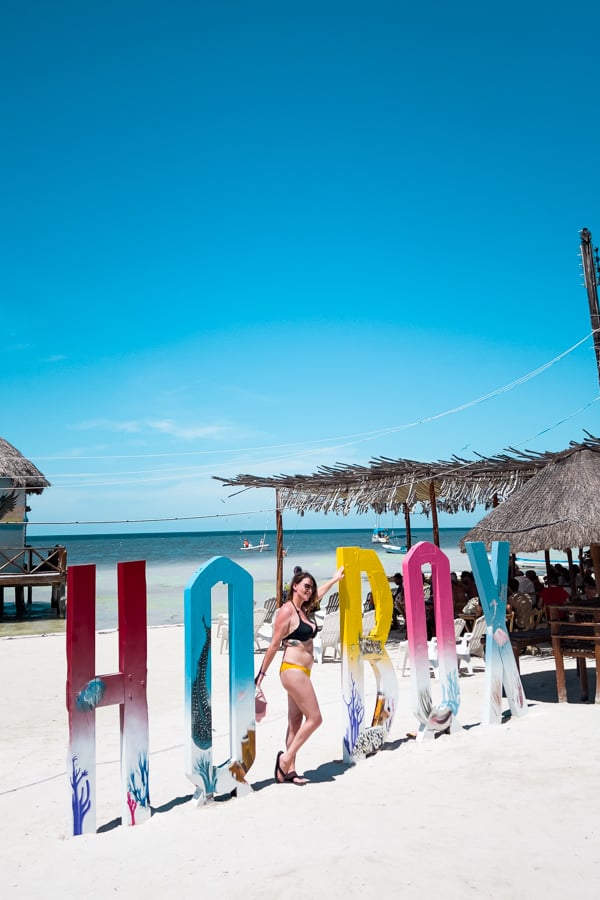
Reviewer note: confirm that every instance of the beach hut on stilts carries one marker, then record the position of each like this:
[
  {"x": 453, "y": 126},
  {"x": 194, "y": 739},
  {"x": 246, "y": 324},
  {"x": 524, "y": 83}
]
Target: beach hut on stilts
[{"x": 22, "y": 566}]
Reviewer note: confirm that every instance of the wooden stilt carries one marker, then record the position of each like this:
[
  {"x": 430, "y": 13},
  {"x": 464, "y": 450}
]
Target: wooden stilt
[{"x": 19, "y": 600}]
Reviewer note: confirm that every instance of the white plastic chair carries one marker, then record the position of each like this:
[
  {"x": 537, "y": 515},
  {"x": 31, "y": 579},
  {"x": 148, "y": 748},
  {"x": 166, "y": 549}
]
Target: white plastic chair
[
  {"x": 471, "y": 645},
  {"x": 368, "y": 622},
  {"x": 328, "y": 638},
  {"x": 432, "y": 649},
  {"x": 402, "y": 661},
  {"x": 260, "y": 614}
]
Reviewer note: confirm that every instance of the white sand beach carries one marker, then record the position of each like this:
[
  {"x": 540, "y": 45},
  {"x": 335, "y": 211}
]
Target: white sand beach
[{"x": 505, "y": 811}]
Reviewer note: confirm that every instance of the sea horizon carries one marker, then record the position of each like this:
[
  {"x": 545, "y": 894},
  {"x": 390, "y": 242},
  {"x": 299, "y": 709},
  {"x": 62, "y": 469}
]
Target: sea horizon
[{"x": 172, "y": 559}]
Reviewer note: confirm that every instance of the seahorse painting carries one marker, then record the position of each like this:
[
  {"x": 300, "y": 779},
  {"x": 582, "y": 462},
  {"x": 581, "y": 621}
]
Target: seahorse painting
[{"x": 201, "y": 709}]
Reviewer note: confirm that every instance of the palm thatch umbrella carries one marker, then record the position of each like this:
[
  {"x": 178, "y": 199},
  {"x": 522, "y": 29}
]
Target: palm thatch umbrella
[
  {"x": 559, "y": 508},
  {"x": 21, "y": 472}
]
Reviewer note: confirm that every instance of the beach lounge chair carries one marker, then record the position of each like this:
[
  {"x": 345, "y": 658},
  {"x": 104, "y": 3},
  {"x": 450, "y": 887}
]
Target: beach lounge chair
[
  {"x": 265, "y": 632},
  {"x": 270, "y": 606},
  {"x": 471, "y": 645},
  {"x": 328, "y": 638},
  {"x": 402, "y": 661},
  {"x": 459, "y": 627},
  {"x": 368, "y": 621},
  {"x": 260, "y": 614},
  {"x": 333, "y": 603}
]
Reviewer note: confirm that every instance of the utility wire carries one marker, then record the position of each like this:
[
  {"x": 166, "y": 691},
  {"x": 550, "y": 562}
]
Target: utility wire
[{"x": 349, "y": 439}]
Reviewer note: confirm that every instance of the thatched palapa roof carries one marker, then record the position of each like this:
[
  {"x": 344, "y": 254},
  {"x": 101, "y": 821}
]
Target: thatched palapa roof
[
  {"x": 388, "y": 485},
  {"x": 557, "y": 509},
  {"x": 20, "y": 470}
]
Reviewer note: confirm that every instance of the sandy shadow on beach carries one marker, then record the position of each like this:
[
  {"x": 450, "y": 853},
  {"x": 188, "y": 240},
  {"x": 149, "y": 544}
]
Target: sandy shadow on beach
[
  {"x": 326, "y": 772},
  {"x": 155, "y": 810},
  {"x": 541, "y": 686}
]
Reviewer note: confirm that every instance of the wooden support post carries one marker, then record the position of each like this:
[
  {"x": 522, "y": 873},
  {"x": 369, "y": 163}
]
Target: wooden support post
[
  {"x": 434, "y": 518},
  {"x": 547, "y": 561},
  {"x": 279, "y": 576},
  {"x": 19, "y": 600},
  {"x": 407, "y": 526},
  {"x": 595, "y": 554},
  {"x": 571, "y": 573}
]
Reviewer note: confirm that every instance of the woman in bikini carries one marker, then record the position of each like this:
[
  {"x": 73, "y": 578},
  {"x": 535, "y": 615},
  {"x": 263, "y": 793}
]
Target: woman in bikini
[{"x": 296, "y": 628}]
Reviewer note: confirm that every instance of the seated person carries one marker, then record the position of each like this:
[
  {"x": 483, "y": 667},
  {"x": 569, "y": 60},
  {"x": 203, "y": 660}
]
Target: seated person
[
  {"x": 590, "y": 593},
  {"x": 537, "y": 585},
  {"x": 554, "y": 594},
  {"x": 562, "y": 574},
  {"x": 520, "y": 604},
  {"x": 468, "y": 583},
  {"x": 473, "y": 608},
  {"x": 526, "y": 585},
  {"x": 398, "y": 598}
]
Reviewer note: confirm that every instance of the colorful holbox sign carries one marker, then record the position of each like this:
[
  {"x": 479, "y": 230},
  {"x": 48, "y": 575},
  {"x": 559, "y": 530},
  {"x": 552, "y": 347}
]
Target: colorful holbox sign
[
  {"x": 86, "y": 690},
  {"x": 229, "y": 776},
  {"x": 361, "y": 739},
  {"x": 441, "y": 717},
  {"x": 500, "y": 665}
]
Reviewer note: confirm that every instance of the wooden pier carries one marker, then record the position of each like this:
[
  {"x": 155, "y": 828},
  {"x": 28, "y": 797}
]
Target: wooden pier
[{"x": 28, "y": 567}]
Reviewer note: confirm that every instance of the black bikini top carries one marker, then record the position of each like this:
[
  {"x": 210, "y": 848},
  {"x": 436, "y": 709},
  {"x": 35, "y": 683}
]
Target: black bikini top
[{"x": 304, "y": 632}]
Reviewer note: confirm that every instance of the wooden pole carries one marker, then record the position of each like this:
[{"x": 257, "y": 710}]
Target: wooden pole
[
  {"x": 589, "y": 261},
  {"x": 590, "y": 277},
  {"x": 571, "y": 572},
  {"x": 279, "y": 575},
  {"x": 407, "y": 526},
  {"x": 595, "y": 554},
  {"x": 548, "y": 563},
  {"x": 434, "y": 517}
]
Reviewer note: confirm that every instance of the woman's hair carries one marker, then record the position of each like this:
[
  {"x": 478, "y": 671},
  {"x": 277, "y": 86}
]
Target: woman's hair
[{"x": 313, "y": 601}]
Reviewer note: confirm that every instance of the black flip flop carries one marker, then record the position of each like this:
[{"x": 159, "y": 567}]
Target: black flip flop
[{"x": 278, "y": 769}]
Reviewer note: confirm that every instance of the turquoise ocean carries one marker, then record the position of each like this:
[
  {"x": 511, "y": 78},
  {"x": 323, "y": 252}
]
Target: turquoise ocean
[{"x": 173, "y": 558}]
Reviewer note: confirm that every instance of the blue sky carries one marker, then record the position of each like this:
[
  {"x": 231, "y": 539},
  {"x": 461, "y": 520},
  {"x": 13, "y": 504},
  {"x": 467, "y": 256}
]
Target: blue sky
[{"x": 263, "y": 237}]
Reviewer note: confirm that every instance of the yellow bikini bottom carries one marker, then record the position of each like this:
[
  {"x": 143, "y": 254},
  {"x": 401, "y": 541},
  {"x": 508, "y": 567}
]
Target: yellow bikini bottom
[{"x": 287, "y": 665}]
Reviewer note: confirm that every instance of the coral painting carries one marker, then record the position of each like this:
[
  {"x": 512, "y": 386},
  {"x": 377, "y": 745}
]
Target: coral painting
[{"x": 80, "y": 795}]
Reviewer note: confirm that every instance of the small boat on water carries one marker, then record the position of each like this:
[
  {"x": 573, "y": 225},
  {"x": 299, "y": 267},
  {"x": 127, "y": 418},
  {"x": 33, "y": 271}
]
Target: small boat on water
[
  {"x": 394, "y": 548},
  {"x": 380, "y": 536},
  {"x": 246, "y": 545}
]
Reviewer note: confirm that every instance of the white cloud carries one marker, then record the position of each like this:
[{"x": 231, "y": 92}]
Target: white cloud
[
  {"x": 166, "y": 426},
  {"x": 130, "y": 426},
  {"x": 152, "y": 426}
]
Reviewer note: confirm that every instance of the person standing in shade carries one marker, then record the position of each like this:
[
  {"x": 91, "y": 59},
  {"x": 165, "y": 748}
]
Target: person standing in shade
[{"x": 295, "y": 627}]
